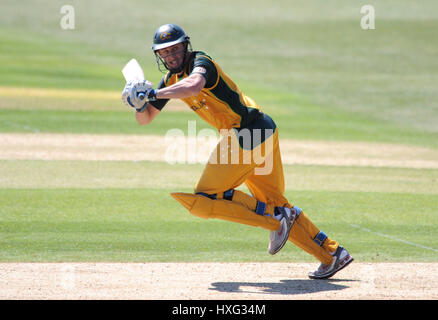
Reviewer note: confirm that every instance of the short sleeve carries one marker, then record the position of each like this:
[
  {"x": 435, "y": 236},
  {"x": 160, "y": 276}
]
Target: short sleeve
[{"x": 206, "y": 68}]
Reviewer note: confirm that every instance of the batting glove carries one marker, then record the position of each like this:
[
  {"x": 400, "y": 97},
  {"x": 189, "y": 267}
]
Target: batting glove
[{"x": 138, "y": 94}]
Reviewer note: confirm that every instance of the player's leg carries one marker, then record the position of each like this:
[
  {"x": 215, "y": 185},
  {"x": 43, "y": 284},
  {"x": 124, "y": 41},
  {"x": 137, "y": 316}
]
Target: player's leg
[
  {"x": 270, "y": 189},
  {"x": 254, "y": 146},
  {"x": 215, "y": 195}
]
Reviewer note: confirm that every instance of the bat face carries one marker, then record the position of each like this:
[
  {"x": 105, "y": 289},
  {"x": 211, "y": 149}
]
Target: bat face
[{"x": 132, "y": 71}]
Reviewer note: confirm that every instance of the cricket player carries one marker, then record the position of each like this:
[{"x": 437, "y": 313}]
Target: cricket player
[{"x": 248, "y": 151}]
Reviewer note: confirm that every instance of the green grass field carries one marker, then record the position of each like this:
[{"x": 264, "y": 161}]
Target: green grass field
[{"x": 307, "y": 63}]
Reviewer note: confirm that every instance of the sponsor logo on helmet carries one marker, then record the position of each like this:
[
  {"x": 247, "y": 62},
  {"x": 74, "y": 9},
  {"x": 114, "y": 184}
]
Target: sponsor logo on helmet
[{"x": 165, "y": 35}]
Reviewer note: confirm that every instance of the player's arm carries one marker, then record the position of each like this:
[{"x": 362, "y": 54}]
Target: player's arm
[
  {"x": 188, "y": 87},
  {"x": 147, "y": 115},
  {"x": 145, "y": 111}
]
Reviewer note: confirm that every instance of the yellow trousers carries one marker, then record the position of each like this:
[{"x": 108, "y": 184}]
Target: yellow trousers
[{"x": 257, "y": 164}]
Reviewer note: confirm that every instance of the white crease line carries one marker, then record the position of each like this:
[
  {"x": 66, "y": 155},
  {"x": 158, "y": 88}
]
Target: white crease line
[{"x": 393, "y": 238}]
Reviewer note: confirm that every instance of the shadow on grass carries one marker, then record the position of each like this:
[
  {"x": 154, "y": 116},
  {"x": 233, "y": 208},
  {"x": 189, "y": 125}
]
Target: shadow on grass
[{"x": 284, "y": 287}]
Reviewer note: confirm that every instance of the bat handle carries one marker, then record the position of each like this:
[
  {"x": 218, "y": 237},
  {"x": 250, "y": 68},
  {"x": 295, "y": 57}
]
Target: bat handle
[{"x": 141, "y": 95}]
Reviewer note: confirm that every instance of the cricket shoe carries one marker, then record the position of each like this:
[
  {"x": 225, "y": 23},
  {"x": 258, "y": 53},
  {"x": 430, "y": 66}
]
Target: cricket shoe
[
  {"x": 278, "y": 238},
  {"x": 341, "y": 259}
]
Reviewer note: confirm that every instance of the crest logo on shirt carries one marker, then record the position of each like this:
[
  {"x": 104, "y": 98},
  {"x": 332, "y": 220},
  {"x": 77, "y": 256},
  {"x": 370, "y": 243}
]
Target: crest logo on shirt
[{"x": 201, "y": 104}]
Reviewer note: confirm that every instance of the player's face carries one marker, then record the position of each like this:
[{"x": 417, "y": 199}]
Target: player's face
[{"x": 173, "y": 56}]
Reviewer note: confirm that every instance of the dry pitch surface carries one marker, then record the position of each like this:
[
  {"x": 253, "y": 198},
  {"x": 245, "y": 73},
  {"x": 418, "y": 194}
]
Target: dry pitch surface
[
  {"x": 46, "y": 146},
  {"x": 208, "y": 281}
]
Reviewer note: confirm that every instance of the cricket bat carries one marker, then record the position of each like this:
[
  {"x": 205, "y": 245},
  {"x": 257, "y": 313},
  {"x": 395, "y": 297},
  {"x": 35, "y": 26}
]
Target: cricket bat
[{"x": 132, "y": 71}]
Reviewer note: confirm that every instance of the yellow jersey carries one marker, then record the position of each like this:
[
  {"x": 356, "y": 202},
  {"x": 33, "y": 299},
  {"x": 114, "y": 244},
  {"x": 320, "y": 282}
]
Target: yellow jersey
[{"x": 220, "y": 103}]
